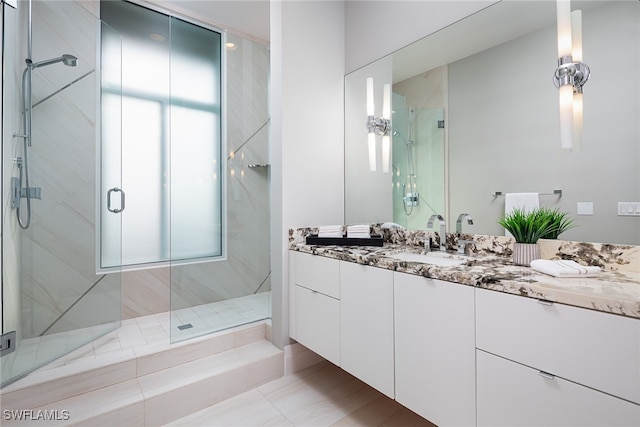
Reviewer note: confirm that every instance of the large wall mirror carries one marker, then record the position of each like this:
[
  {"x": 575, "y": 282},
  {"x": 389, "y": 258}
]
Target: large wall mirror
[{"x": 475, "y": 112}]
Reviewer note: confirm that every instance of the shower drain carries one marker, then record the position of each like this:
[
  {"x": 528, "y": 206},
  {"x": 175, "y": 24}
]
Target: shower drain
[{"x": 185, "y": 326}]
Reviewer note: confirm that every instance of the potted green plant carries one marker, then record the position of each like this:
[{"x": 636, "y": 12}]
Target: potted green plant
[
  {"x": 527, "y": 227},
  {"x": 560, "y": 220}
]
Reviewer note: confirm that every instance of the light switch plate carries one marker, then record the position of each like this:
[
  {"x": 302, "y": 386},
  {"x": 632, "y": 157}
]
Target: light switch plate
[
  {"x": 628, "y": 208},
  {"x": 584, "y": 208}
]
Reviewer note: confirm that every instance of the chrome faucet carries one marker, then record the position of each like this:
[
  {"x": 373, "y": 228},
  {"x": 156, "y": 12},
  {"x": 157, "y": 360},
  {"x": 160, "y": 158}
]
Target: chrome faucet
[
  {"x": 443, "y": 230},
  {"x": 462, "y": 243},
  {"x": 459, "y": 221}
]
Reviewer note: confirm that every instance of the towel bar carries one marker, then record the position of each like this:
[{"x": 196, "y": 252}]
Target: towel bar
[{"x": 556, "y": 192}]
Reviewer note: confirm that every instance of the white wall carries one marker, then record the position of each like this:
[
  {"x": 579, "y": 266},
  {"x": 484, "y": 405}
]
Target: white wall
[
  {"x": 306, "y": 140},
  {"x": 377, "y": 28}
]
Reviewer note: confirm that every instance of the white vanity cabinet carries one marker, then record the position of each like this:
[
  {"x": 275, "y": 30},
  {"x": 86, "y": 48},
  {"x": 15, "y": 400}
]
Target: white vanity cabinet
[
  {"x": 511, "y": 394},
  {"x": 366, "y": 325},
  {"x": 435, "y": 349},
  {"x": 315, "y": 304},
  {"x": 540, "y": 363}
]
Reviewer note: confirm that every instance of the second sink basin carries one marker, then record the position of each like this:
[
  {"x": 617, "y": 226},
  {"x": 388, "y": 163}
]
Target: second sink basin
[{"x": 427, "y": 258}]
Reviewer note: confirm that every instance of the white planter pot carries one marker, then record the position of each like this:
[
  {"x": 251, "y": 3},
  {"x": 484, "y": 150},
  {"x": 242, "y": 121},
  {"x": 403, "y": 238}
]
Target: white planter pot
[{"x": 524, "y": 253}]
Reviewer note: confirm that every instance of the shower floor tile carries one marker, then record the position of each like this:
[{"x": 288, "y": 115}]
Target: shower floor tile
[{"x": 153, "y": 330}]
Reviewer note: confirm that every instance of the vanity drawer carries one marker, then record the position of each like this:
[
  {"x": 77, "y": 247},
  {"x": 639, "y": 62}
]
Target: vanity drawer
[
  {"x": 596, "y": 349},
  {"x": 510, "y": 394},
  {"x": 318, "y": 323},
  {"x": 318, "y": 273}
]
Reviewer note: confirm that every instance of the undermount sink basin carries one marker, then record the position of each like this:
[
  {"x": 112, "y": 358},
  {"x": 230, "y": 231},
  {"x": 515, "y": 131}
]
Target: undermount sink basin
[{"x": 429, "y": 258}]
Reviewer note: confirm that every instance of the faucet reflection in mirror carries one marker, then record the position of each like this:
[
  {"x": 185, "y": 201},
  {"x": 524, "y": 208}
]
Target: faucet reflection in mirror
[
  {"x": 571, "y": 74},
  {"x": 379, "y": 126}
]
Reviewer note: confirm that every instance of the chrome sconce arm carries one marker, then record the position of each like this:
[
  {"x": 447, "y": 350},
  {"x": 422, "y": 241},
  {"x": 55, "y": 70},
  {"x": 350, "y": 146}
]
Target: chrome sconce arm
[
  {"x": 378, "y": 125},
  {"x": 571, "y": 73}
]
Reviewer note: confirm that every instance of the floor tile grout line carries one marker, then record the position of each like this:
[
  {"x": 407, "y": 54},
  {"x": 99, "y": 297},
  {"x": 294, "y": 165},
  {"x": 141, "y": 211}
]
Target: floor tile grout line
[{"x": 275, "y": 406}]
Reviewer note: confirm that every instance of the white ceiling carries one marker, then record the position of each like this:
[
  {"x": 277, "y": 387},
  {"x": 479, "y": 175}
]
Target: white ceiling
[{"x": 243, "y": 17}]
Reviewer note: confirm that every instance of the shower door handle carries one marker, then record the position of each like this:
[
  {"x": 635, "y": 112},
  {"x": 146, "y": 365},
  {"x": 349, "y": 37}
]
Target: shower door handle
[{"x": 115, "y": 190}]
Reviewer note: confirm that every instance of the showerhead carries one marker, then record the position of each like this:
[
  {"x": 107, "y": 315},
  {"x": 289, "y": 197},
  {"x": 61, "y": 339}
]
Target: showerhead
[
  {"x": 66, "y": 59},
  {"x": 69, "y": 60},
  {"x": 399, "y": 135}
]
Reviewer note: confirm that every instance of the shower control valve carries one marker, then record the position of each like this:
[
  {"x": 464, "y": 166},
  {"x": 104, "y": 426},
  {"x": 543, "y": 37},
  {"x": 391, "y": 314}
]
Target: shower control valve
[{"x": 411, "y": 199}]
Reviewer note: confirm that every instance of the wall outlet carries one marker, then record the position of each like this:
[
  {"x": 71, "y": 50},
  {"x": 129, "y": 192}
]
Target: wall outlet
[
  {"x": 584, "y": 208},
  {"x": 628, "y": 208}
]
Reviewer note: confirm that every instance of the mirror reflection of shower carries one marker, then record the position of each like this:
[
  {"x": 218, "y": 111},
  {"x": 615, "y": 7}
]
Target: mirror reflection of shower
[
  {"x": 18, "y": 191},
  {"x": 410, "y": 195}
]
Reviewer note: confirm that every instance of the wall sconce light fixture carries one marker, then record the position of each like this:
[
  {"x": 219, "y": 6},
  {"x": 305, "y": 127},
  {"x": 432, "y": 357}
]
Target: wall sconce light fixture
[
  {"x": 379, "y": 126},
  {"x": 571, "y": 74}
]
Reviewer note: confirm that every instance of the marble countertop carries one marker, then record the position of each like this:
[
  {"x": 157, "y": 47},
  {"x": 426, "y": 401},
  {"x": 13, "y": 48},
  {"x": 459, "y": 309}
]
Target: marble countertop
[{"x": 616, "y": 292}]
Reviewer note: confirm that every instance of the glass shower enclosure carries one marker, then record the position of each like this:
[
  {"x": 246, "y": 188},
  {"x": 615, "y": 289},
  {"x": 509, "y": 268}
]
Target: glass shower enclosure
[
  {"x": 54, "y": 299},
  {"x": 117, "y": 150}
]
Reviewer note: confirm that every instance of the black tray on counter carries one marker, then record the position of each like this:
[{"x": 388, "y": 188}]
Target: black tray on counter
[{"x": 374, "y": 240}]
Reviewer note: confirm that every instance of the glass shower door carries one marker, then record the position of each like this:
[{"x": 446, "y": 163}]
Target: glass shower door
[
  {"x": 55, "y": 296},
  {"x": 234, "y": 289}
]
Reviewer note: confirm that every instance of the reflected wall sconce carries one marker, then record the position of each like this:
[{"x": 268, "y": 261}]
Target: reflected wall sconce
[
  {"x": 571, "y": 74},
  {"x": 379, "y": 126}
]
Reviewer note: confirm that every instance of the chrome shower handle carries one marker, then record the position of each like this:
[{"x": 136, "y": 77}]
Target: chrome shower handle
[{"x": 114, "y": 190}]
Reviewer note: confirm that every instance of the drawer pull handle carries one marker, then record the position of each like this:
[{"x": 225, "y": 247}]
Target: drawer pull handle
[
  {"x": 546, "y": 375},
  {"x": 545, "y": 302}
]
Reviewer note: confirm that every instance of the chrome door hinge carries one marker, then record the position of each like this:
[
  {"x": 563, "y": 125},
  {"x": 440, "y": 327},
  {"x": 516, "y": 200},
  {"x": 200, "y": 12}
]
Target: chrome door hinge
[{"x": 7, "y": 343}]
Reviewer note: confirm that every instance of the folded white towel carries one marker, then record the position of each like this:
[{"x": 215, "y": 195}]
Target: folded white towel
[
  {"x": 337, "y": 234},
  {"x": 563, "y": 268},
  {"x": 358, "y": 235},
  {"x": 330, "y": 228},
  {"x": 330, "y": 231},
  {"x": 361, "y": 231}
]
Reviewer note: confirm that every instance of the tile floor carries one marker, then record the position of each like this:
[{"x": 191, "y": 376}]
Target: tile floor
[
  {"x": 322, "y": 395},
  {"x": 154, "y": 330}
]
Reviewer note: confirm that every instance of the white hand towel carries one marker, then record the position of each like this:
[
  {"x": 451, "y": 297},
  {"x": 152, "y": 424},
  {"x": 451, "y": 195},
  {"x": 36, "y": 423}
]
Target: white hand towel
[
  {"x": 330, "y": 231},
  {"x": 525, "y": 201},
  {"x": 358, "y": 231},
  {"x": 563, "y": 268},
  {"x": 361, "y": 227}
]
